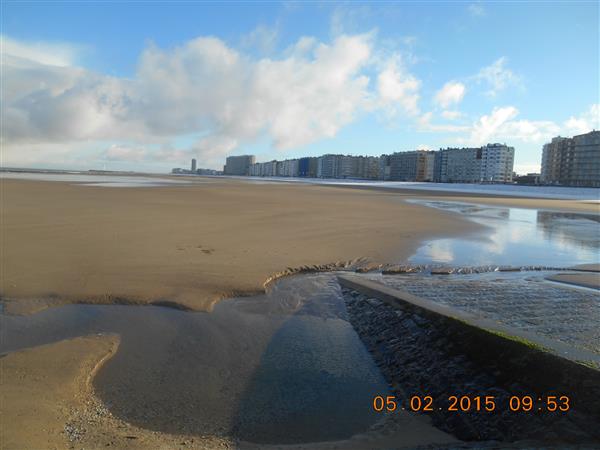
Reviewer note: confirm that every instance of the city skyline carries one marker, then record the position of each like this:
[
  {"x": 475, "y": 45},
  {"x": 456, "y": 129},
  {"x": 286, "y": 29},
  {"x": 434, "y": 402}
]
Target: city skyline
[{"x": 86, "y": 87}]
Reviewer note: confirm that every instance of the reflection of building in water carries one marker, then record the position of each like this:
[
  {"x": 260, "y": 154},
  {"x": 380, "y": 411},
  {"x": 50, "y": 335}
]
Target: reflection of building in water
[
  {"x": 568, "y": 227},
  {"x": 572, "y": 162}
]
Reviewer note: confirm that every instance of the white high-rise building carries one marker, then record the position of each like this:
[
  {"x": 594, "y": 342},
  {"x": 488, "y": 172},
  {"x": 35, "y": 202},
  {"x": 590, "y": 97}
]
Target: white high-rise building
[{"x": 497, "y": 162}]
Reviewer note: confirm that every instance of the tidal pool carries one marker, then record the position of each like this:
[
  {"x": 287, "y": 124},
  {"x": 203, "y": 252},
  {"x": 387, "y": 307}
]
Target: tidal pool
[
  {"x": 515, "y": 237},
  {"x": 286, "y": 367}
]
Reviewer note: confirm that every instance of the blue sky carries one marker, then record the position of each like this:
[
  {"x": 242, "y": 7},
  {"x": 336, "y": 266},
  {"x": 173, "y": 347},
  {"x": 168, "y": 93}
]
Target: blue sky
[{"x": 146, "y": 86}]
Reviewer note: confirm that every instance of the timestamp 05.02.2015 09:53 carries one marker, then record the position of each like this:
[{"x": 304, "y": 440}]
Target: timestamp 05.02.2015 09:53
[{"x": 474, "y": 403}]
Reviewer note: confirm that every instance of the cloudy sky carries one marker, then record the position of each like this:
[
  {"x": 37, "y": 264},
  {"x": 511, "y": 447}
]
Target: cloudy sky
[{"x": 147, "y": 86}]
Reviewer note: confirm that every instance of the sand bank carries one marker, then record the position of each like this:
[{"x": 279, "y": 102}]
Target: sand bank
[{"x": 192, "y": 244}]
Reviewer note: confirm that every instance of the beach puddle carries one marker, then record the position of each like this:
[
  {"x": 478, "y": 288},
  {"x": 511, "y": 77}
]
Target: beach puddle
[
  {"x": 286, "y": 367},
  {"x": 517, "y": 237}
]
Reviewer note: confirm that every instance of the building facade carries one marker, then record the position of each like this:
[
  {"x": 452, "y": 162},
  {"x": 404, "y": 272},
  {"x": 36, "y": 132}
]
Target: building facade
[
  {"x": 238, "y": 165},
  {"x": 497, "y": 162},
  {"x": 327, "y": 166},
  {"x": 411, "y": 166},
  {"x": 307, "y": 167},
  {"x": 492, "y": 163},
  {"x": 458, "y": 165},
  {"x": 572, "y": 161}
]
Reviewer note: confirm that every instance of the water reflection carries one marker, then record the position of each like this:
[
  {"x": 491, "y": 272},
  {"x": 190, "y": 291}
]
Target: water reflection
[{"x": 516, "y": 236}]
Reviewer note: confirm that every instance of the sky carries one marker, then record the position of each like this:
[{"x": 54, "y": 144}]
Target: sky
[{"x": 146, "y": 86}]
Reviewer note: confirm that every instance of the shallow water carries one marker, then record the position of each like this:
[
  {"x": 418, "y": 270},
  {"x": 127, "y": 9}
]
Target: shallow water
[
  {"x": 516, "y": 237},
  {"x": 282, "y": 368}
]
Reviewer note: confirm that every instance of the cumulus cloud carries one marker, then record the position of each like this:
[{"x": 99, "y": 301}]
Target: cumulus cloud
[
  {"x": 501, "y": 125},
  {"x": 203, "y": 86},
  {"x": 398, "y": 90},
  {"x": 497, "y": 76},
  {"x": 584, "y": 123},
  {"x": 451, "y": 93}
]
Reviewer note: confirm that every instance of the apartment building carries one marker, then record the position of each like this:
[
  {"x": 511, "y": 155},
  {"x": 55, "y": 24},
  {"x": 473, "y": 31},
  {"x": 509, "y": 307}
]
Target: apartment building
[
  {"x": 411, "y": 166},
  {"x": 307, "y": 167},
  {"x": 238, "y": 165},
  {"x": 572, "y": 161},
  {"x": 497, "y": 162},
  {"x": 457, "y": 165}
]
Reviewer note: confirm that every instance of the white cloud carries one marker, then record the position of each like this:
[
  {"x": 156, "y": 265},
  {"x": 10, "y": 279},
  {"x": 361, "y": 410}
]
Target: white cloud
[
  {"x": 118, "y": 152},
  {"x": 451, "y": 115},
  {"x": 498, "y": 76},
  {"x": 53, "y": 54},
  {"x": 203, "y": 87},
  {"x": 500, "y": 125},
  {"x": 523, "y": 169},
  {"x": 584, "y": 123},
  {"x": 398, "y": 89},
  {"x": 451, "y": 93}
]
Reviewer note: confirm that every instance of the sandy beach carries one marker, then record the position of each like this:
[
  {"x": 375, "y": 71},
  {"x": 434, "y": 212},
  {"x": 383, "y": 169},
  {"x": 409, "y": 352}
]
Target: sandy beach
[
  {"x": 192, "y": 245},
  {"x": 196, "y": 244},
  {"x": 186, "y": 246}
]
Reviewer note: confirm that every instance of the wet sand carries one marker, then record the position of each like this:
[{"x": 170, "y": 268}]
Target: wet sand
[
  {"x": 590, "y": 280},
  {"x": 48, "y": 402}
]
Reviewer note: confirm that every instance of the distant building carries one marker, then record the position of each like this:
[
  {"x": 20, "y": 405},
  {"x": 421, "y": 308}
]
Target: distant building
[
  {"x": 497, "y": 161},
  {"x": 457, "y": 165},
  {"x": 238, "y": 165},
  {"x": 367, "y": 167},
  {"x": 492, "y": 163},
  {"x": 307, "y": 167},
  {"x": 572, "y": 161},
  {"x": 193, "y": 164},
  {"x": 530, "y": 179},
  {"x": 327, "y": 166},
  {"x": 411, "y": 166}
]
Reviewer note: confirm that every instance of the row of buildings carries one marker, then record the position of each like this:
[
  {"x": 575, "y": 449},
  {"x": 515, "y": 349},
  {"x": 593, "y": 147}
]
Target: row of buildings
[
  {"x": 492, "y": 163},
  {"x": 572, "y": 161},
  {"x": 193, "y": 170},
  {"x": 565, "y": 161}
]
